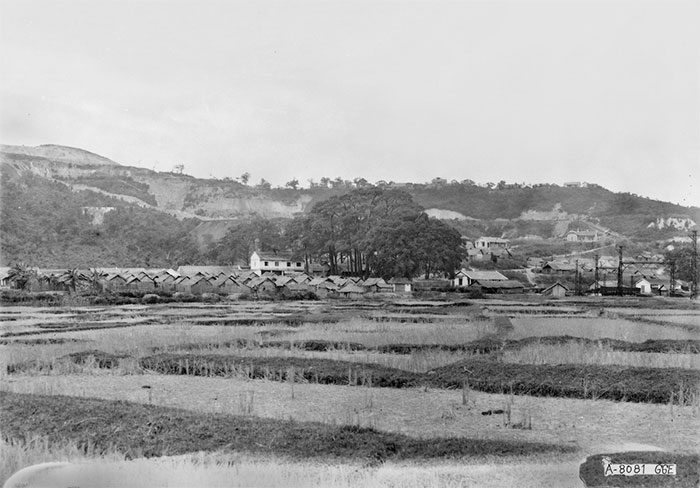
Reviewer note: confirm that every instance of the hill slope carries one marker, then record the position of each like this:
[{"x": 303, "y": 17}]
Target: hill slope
[
  {"x": 59, "y": 153},
  {"x": 64, "y": 181}
]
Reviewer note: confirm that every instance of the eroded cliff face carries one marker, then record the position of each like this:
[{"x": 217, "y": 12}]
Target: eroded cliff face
[
  {"x": 677, "y": 223},
  {"x": 179, "y": 195}
]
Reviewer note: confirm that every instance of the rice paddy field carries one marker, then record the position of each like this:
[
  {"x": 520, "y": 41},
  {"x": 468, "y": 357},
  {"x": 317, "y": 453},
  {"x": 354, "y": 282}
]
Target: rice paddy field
[{"x": 341, "y": 393}]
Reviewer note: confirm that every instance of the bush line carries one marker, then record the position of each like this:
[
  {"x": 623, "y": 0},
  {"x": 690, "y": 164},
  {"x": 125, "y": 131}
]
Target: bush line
[
  {"x": 619, "y": 383},
  {"x": 148, "y": 430}
]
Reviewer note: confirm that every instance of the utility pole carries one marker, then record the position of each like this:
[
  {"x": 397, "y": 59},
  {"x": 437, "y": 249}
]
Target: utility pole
[
  {"x": 619, "y": 272},
  {"x": 596, "y": 286},
  {"x": 694, "y": 266},
  {"x": 672, "y": 291},
  {"x": 578, "y": 281}
]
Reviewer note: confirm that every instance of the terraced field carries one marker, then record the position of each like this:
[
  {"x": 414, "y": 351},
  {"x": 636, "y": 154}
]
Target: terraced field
[{"x": 363, "y": 384}]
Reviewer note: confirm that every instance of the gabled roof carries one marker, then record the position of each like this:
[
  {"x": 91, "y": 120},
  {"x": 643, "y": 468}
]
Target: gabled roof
[
  {"x": 207, "y": 270},
  {"x": 372, "y": 282},
  {"x": 560, "y": 266},
  {"x": 482, "y": 275},
  {"x": 269, "y": 256},
  {"x": 317, "y": 281},
  {"x": 493, "y": 239},
  {"x": 351, "y": 288},
  {"x": 555, "y": 285},
  {"x": 301, "y": 278},
  {"x": 256, "y": 282},
  {"x": 223, "y": 280},
  {"x": 202, "y": 279},
  {"x": 500, "y": 284},
  {"x": 327, "y": 285},
  {"x": 400, "y": 281},
  {"x": 283, "y": 280}
]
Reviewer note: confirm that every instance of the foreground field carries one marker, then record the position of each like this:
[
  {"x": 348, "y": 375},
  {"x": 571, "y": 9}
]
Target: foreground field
[
  {"x": 379, "y": 369},
  {"x": 241, "y": 470}
]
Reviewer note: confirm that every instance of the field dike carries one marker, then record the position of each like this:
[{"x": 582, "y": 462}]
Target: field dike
[
  {"x": 609, "y": 382},
  {"x": 147, "y": 431},
  {"x": 486, "y": 345}
]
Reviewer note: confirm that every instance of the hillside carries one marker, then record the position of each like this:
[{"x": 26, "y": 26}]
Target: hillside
[
  {"x": 68, "y": 180},
  {"x": 59, "y": 153}
]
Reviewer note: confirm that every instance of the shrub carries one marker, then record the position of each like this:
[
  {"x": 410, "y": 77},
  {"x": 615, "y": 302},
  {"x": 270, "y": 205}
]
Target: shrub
[
  {"x": 150, "y": 298},
  {"x": 184, "y": 297}
]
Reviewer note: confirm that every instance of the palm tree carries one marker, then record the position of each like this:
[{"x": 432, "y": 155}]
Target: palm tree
[
  {"x": 72, "y": 278},
  {"x": 95, "y": 279},
  {"x": 21, "y": 275}
]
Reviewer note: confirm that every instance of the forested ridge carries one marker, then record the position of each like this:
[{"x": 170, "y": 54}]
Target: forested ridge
[{"x": 44, "y": 224}]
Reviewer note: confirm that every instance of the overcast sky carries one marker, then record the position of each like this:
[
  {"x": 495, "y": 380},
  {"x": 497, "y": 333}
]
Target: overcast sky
[{"x": 522, "y": 91}]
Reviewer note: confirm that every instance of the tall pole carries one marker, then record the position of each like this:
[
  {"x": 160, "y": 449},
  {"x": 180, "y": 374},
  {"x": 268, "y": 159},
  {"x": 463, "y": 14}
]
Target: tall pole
[
  {"x": 672, "y": 291},
  {"x": 596, "y": 286},
  {"x": 619, "y": 272},
  {"x": 694, "y": 266}
]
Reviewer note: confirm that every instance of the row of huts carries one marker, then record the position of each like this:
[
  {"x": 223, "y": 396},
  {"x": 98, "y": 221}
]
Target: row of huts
[{"x": 220, "y": 280}]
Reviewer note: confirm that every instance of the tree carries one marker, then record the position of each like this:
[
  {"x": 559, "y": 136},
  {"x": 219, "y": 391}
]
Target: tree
[
  {"x": 361, "y": 183},
  {"x": 682, "y": 256},
  {"x": 95, "y": 279},
  {"x": 245, "y": 177},
  {"x": 264, "y": 184},
  {"x": 293, "y": 184},
  {"x": 240, "y": 241},
  {"x": 72, "y": 279},
  {"x": 21, "y": 275},
  {"x": 376, "y": 231},
  {"x": 178, "y": 168}
]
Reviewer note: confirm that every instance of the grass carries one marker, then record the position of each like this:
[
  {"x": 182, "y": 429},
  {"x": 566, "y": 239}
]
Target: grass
[
  {"x": 147, "y": 430},
  {"x": 619, "y": 383},
  {"x": 235, "y": 470},
  {"x": 595, "y": 328},
  {"x": 582, "y": 353},
  {"x": 19, "y": 453},
  {"x": 322, "y": 371},
  {"x": 536, "y": 369}
]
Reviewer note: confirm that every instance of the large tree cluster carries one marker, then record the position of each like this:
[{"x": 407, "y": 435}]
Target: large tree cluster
[{"x": 366, "y": 232}]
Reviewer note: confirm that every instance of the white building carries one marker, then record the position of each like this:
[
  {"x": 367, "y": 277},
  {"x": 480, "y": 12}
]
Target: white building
[
  {"x": 490, "y": 242},
  {"x": 261, "y": 262},
  {"x": 465, "y": 278}
]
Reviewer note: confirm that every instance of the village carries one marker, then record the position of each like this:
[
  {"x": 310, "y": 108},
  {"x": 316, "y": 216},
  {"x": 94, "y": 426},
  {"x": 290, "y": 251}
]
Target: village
[{"x": 284, "y": 276}]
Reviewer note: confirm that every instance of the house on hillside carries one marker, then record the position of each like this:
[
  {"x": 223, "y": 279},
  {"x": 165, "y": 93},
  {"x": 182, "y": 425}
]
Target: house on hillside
[
  {"x": 558, "y": 268},
  {"x": 582, "y": 236},
  {"x": 465, "y": 278},
  {"x": 491, "y": 243},
  {"x": 261, "y": 262},
  {"x": 557, "y": 290}
]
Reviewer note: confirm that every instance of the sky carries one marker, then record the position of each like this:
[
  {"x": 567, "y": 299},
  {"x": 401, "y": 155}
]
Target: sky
[{"x": 523, "y": 91}]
